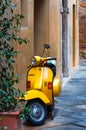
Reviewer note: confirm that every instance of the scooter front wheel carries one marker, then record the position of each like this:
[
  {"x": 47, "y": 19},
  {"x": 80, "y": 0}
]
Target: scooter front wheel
[{"x": 38, "y": 112}]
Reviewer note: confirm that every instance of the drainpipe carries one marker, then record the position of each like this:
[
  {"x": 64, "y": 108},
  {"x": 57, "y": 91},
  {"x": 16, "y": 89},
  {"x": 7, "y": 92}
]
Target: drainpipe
[
  {"x": 61, "y": 11},
  {"x": 65, "y": 38},
  {"x": 68, "y": 36}
]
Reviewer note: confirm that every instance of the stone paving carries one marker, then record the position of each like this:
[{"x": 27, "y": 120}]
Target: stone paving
[{"x": 70, "y": 107}]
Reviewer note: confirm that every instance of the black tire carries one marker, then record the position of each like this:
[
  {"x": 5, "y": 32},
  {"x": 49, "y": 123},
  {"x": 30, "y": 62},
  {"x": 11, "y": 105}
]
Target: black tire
[
  {"x": 52, "y": 114},
  {"x": 38, "y": 112}
]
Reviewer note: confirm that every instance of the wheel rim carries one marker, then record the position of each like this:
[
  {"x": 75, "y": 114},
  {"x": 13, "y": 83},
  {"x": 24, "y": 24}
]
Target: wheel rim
[{"x": 37, "y": 112}]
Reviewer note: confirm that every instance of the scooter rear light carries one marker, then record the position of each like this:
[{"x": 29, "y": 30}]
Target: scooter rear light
[
  {"x": 28, "y": 84},
  {"x": 49, "y": 85}
]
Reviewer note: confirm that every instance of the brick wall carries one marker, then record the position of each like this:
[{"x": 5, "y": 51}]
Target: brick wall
[{"x": 82, "y": 30}]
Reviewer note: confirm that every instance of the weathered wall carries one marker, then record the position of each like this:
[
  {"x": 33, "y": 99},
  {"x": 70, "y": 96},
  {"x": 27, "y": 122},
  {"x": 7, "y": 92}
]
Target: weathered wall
[
  {"x": 74, "y": 34},
  {"x": 54, "y": 32},
  {"x": 43, "y": 25},
  {"x": 25, "y": 51},
  {"x": 70, "y": 40},
  {"x": 82, "y": 30},
  {"x": 47, "y": 27}
]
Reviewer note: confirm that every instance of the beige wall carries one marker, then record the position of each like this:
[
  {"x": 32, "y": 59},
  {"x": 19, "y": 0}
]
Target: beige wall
[
  {"x": 74, "y": 48},
  {"x": 44, "y": 26},
  {"x": 41, "y": 25},
  {"x": 54, "y": 32},
  {"x": 70, "y": 39},
  {"x": 25, "y": 51},
  {"x": 82, "y": 30},
  {"x": 47, "y": 27}
]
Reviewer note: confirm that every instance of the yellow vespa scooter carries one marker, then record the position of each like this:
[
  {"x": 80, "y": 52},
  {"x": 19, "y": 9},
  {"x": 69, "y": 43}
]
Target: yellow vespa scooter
[{"x": 42, "y": 86}]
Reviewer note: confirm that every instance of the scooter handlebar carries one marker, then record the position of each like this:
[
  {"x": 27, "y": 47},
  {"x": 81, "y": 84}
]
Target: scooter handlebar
[{"x": 51, "y": 59}]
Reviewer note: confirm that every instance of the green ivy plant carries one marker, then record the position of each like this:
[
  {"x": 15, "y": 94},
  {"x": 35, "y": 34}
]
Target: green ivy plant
[
  {"x": 5, "y": 128},
  {"x": 24, "y": 113},
  {"x": 10, "y": 23}
]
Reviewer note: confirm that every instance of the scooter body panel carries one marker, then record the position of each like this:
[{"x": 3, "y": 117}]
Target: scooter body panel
[
  {"x": 41, "y": 85},
  {"x": 35, "y": 94},
  {"x": 56, "y": 87},
  {"x": 40, "y": 78},
  {"x": 34, "y": 76}
]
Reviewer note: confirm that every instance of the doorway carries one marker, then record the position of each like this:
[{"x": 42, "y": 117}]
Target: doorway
[{"x": 41, "y": 25}]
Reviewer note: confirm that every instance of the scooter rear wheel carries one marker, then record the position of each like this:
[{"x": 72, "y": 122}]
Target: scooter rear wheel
[{"x": 38, "y": 112}]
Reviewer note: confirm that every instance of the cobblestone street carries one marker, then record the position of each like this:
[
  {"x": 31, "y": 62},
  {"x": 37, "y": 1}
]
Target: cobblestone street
[{"x": 70, "y": 107}]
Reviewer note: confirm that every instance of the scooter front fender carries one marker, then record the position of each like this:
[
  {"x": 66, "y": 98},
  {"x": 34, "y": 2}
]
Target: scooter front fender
[{"x": 33, "y": 94}]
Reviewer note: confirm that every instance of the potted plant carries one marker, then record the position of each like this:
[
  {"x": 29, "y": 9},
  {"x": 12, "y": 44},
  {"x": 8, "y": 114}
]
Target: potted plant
[{"x": 9, "y": 26}]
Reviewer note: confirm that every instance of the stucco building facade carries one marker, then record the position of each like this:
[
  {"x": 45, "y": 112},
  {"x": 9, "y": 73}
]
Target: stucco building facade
[
  {"x": 49, "y": 21},
  {"x": 82, "y": 29}
]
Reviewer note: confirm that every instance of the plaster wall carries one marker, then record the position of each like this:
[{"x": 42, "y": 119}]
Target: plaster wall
[
  {"x": 74, "y": 34},
  {"x": 47, "y": 28},
  {"x": 25, "y": 51},
  {"x": 54, "y": 32},
  {"x": 82, "y": 30},
  {"x": 44, "y": 26}
]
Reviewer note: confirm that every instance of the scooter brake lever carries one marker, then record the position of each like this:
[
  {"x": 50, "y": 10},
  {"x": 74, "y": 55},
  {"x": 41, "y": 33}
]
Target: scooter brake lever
[
  {"x": 52, "y": 59},
  {"x": 29, "y": 66}
]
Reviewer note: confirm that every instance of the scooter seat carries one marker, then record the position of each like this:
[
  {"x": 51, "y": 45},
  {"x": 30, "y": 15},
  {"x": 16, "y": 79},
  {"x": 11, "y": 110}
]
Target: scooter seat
[{"x": 51, "y": 66}]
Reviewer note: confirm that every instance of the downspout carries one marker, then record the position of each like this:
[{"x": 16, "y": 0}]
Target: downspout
[
  {"x": 61, "y": 11},
  {"x": 68, "y": 35},
  {"x": 65, "y": 38}
]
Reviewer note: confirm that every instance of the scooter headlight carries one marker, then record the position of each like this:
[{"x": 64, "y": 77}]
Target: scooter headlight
[{"x": 33, "y": 61}]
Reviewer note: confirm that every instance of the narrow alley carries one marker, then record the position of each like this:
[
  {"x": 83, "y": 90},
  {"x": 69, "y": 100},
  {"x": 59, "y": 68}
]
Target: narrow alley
[
  {"x": 55, "y": 25},
  {"x": 70, "y": 107}
]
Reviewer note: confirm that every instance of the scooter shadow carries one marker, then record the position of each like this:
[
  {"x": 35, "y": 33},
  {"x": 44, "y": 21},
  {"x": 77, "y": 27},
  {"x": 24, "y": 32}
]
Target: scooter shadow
[{"x": 27, "y": 124}]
